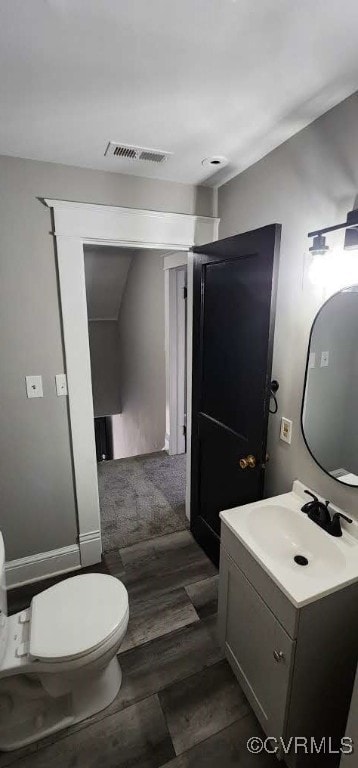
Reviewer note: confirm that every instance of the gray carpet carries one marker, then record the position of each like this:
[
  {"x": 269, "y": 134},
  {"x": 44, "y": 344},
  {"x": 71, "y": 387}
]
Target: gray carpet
[{"x": 141, "y": 497}]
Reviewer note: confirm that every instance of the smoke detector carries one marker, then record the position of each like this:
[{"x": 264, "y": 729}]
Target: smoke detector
[
  {"x": 132, "y": 152},
  {"x": 217, "y": 161}
]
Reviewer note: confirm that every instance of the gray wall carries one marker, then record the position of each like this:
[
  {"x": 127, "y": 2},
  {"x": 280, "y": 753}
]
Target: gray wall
[
  {"x": 36, "y": 484},
  {"x": 105, "y": 367},
  {"x": 307, "y": 183},
  {"x": 140, "y": 428},
  {"x": 106, "y": 270}
]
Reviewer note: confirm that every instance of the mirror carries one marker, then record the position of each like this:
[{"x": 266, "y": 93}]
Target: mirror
[{"x": 330, "y": 400}]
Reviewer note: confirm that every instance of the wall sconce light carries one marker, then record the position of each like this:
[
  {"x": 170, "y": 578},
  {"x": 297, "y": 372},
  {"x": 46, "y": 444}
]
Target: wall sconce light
[
  {"x": 330, "y": 270},
  {"x": 319, "y": 247},
  {"x": 351, "y": 236}
]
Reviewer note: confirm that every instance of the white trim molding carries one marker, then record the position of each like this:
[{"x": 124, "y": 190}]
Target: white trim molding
[
  {"x": 41, "y": 566},
  {"x": 171, "y": 263},
  {"x": 90, "y": 543},
  {"x": 132, "y": 226},
  {"x": 71, "y": 273},
  {"x": 175, "y": 279},
  {"x": 189, "y": 374},
  {"x": 77, "y": 224}
]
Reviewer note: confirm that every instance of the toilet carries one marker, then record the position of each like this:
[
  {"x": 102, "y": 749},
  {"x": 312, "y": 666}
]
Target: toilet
[{"x": 58, "y": 662}]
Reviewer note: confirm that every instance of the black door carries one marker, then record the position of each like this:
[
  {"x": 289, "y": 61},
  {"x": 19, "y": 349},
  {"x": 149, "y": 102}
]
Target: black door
[{"x": 234, "y": 293}]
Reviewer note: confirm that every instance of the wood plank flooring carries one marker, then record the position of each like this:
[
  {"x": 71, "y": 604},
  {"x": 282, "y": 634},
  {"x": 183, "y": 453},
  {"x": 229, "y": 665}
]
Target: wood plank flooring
[{"x": 180, "y": 705}]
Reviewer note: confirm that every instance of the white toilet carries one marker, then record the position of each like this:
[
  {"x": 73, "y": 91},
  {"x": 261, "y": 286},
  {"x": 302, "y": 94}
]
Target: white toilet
[{"x": 58, "y": 661}]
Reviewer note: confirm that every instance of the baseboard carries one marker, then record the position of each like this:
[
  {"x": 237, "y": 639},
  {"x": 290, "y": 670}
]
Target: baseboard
[
  {"x": 41, "y": 566},
  {"x": 90, "y": 547}
]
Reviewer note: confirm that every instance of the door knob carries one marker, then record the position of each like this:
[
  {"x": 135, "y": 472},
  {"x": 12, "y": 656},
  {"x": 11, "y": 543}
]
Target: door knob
[{"x": 248, "y": 462}]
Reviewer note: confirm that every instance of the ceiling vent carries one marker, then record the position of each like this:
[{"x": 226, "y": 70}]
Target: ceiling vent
[{"x": 131, "y": 152}]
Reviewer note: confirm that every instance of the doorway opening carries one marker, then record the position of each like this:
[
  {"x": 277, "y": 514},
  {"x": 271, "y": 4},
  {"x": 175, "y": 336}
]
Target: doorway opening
[{"x": 137, "y": 339}]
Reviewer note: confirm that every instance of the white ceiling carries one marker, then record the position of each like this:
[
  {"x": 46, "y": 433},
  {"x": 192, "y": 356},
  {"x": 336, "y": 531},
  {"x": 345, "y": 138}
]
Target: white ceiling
[
  {"x": 194, "y": 77},
  {"x": 106, "y": 272}
]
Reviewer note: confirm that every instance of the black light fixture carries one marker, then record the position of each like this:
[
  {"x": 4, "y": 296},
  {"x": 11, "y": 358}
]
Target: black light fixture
[
  {"x": 319, "y": 245},
  {"x": 351, "y": 235}
]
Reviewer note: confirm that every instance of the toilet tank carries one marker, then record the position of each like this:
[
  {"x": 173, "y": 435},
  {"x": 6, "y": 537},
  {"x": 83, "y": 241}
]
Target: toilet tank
[{"x": 3, "y": 601}]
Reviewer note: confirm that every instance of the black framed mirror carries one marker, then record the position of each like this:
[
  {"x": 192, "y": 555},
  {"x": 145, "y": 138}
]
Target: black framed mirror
[{"x": 329, "y": 415}]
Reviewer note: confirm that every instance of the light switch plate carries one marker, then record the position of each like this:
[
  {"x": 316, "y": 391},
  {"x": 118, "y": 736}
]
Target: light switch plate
[
  {"x": 61, "y": 384},
  {"x": 324, "y": 359},
  {"x": 286, "y": 430},
  {"x": 34, "y": 386},
  {"x": 312, "y": 360}
]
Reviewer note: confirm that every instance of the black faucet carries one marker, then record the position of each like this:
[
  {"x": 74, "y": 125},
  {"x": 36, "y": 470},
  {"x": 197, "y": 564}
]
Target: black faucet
[{"x": 319, "y": 513}]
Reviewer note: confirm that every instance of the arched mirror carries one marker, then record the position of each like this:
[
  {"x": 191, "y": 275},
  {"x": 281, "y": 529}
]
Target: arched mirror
[{"x": 330, "y": 400}]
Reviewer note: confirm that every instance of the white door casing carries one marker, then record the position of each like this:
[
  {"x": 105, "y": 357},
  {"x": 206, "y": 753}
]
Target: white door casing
[
  {"x": 175, "y": 280},
  {"x": 181, "y": 283},
  {"x": 77, "y": 224}
]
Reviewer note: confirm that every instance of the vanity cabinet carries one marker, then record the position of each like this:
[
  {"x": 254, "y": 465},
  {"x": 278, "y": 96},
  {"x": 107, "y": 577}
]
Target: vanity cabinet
[
  {"x": 295, "y": 665},
  {"x": 252, "y": 636}
]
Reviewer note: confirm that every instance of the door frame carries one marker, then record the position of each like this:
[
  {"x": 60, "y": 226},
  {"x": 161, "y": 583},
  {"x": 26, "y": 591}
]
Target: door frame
[
  {"x": 175, "y": 279},
  {"x": 75, "y": 225}
]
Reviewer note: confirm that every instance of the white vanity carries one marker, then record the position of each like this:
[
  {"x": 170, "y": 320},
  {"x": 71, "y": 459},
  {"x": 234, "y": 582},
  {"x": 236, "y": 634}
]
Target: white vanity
[{"x": 290, "y": 630}]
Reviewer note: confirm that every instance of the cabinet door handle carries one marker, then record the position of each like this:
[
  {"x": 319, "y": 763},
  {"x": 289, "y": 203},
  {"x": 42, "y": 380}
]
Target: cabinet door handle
[{"x": 278, "y": 656}]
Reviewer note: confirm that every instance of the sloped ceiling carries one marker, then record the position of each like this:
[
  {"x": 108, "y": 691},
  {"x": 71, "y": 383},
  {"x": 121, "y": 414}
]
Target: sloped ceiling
[{"x": 106, "y": 271}]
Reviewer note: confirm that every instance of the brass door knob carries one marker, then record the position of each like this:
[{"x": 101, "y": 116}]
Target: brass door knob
[{"x": 248, "y": 462}]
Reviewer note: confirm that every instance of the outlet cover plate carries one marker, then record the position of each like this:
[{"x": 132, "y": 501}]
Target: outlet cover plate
[
  {"x": 34, "y": 386},
  {"x": 286, "y": 430}
]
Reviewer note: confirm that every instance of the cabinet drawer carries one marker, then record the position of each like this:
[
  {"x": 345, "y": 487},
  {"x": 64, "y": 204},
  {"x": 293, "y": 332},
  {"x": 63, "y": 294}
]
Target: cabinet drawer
[
  {"x": 252, "y": 636},
  {"x": 276, "y": 600}
]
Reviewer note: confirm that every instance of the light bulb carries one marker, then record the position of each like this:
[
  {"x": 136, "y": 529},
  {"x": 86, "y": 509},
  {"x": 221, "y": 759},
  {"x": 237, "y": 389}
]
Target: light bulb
[
  {"x": 317, "y": 271},
  {"x": 334, "y": 271}
]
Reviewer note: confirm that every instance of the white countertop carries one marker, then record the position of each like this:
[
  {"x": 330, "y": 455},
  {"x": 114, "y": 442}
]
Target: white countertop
[{"x": 274, "y": 530}]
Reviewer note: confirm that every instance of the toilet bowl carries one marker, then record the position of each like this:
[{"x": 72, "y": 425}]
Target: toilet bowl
[{"x": 58, "y": 662}]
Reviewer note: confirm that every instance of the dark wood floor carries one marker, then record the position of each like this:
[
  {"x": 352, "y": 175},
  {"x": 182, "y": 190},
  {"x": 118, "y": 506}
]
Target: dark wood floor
[{"x": 180, "y": 706}]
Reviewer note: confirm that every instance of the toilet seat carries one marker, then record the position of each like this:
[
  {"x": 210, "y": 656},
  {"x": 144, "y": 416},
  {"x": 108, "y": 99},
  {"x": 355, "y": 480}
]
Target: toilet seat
[{"x": 76, "y": 616}]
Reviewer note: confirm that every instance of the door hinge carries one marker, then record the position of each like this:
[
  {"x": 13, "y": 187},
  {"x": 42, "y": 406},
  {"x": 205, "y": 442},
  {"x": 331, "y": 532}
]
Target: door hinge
[
  {"x": 185, "y": 292},
  {"x": 184, "y": 430}
]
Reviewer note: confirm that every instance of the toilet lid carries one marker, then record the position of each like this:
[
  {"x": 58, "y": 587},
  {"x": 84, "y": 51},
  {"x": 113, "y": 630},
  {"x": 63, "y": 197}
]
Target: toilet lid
[{"x": 76, "y": 616}]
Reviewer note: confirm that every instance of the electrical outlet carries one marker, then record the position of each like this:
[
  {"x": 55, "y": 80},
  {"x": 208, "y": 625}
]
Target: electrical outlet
[
  {"x": 324, "y": 359},
  {"x": 286, "y": 430},
  {"x": 34, "y": 386}
]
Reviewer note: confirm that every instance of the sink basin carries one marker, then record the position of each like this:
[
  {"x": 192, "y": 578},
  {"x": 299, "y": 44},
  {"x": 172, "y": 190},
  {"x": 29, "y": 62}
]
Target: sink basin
[
  {"x": 285, "y": 535},
  {"x": 303, "y": 560}
]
